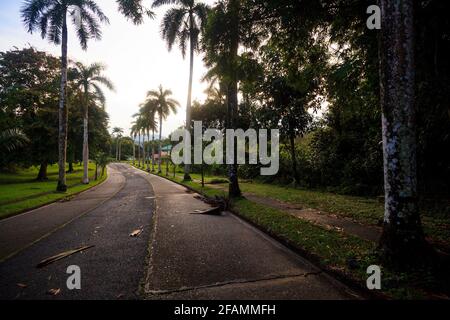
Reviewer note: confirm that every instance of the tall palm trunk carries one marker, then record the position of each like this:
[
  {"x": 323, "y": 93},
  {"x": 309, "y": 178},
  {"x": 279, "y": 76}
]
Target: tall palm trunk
[
  {"x": 117, "y": 148},
  {"x": 139, "y": 150},
  {"x": 234, "y": 190},
  {"x": 187, "y": 166},
  {"x": 160, "y": 137},
  {"x": 144, "y": 151},
  {"x": 153, "y": 151},
  {"x": 120, "y": 150},
  {"x": 402, "y": 241},
  {"x": 148, "y": 150},
  {"x": 86, "y": 139},
  {"x": 293, "y": 155},
  {"x": 134, "y": 150},
  {"x": 62, "y": 111}
]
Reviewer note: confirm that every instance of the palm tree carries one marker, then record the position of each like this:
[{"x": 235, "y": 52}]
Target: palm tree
[
  {"x": 182, "y": 23},
  {"x": 12, "y": 139},
  {"x": 140, "y": 123},
  {"x": 222, "y": 40},
  {"x": 133, "y": 135},
  {"x": 148, "y": 111},
  {"x": 89, "y": 79},
  {"x": 118, "y": 132},
  {"x": 50, "y": 17},
  {"x": 164, "y": 106}
]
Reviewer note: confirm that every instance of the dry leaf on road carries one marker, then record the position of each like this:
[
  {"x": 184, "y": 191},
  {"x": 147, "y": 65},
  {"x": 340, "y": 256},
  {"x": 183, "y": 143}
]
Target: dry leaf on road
[
  {"x": 136, "y": 233},
  {"x": 54, "y": 292}
]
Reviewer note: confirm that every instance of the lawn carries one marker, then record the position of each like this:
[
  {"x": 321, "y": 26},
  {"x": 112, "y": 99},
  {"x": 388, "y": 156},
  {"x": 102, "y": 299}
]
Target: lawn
[{"x": 20, "y": 191}]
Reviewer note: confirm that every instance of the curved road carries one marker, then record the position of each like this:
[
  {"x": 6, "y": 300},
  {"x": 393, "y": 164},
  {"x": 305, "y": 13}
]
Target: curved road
[{"x": 178, "y": 255}]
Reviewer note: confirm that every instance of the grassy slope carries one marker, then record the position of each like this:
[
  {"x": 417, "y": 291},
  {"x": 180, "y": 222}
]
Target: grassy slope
[{"x": 20, "y": 191}]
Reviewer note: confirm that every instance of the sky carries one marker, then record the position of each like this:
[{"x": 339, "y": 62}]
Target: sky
[{"x": 136, "y": 57}]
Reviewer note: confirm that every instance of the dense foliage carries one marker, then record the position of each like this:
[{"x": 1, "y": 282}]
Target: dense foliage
[
  {"x": 302, "y": 59},
  {"x": 29, "y": 96}
]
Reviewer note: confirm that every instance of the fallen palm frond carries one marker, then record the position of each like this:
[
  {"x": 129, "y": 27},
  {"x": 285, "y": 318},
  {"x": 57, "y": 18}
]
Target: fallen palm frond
[{"x": 60, "y": 256}]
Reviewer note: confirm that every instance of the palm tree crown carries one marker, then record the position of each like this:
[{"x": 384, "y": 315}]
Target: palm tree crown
[
  {"x": 90, "y": 79},
  {"x": 163, "y": 103},
  {"x": 147, "y": 113},
  {"x": 183, "y": 22},
  {"x": 164, "y": 106},
  {"x": 49, "y": 17}
]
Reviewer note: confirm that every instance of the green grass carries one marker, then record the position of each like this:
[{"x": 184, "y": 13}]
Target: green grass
[
  {"x": 364, "y": 210},
  {"x": 20, "y": 191}
]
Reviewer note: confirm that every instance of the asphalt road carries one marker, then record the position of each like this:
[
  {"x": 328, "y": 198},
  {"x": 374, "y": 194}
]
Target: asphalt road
[
  {"x": 112, "y": 269},
  {"x": 179, "y": 255}
]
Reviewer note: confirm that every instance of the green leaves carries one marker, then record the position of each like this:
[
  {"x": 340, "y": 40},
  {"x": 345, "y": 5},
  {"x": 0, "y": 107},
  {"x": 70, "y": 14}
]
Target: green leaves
[
  {"x": 47, "y": 16},
  {"x": 134, "y": 10}
]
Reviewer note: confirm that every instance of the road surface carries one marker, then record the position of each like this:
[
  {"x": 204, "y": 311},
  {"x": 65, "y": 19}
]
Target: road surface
[{"x": 178, "y": 255}]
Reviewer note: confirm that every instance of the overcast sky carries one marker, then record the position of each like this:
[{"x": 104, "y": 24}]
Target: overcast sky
[{"x": 136, "y": 56}]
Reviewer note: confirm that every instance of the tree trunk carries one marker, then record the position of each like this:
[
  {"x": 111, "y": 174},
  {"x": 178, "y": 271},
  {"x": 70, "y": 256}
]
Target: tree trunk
[
  {"x": 96, "y": 172},
  {"x": 139, "y": 150},
  {"x": 120, "y": 150},
  {"x": 134, "y": 150},
  {"x": 153, "y": 150},
  {"x": 167, "y": 166},
  {"x": 62, "y": 111},
  {"x": 70, "y": 166},
  {"x": 293, "y": 156},
  {"x": 160, "y": 137},
  {"x": 187, "y": 166},
  {"x": 85, "y": 140},
  {"x": 42, "y": 175},
  {"x": 203, "y": 174},
  {"x": 148, "y": 151},
  {"x": 402, "y": 242},
  {"x": 234, "y": 190},
  {"x": 117, "y": 148}
]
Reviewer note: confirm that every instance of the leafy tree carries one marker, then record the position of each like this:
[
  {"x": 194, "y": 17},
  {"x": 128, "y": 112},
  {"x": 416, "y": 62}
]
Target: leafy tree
[
  {"x": 289, "y": 87},
  {"x": 28, "y": 100},
  {"x": 184, "y": 23}
]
